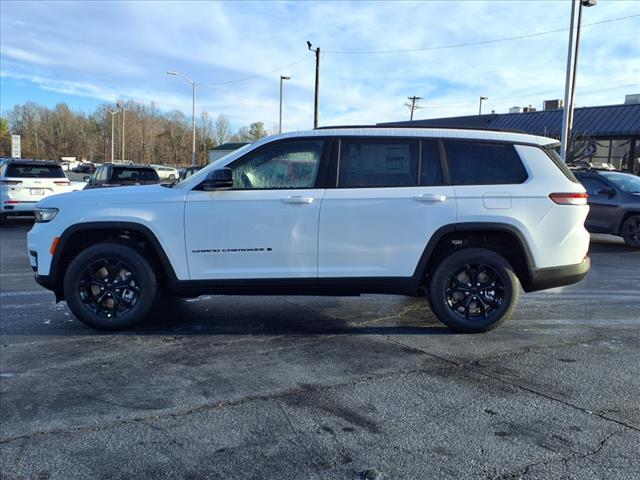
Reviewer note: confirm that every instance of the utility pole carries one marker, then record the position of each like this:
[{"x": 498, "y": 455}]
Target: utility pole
[
  {"x": 570, "y": 80},
  {"x": 317, "y": 90},
  {"x": 113, "y": 125},
  {"x": 480, "y": 107},
  {"x": 412, "y": 106}
]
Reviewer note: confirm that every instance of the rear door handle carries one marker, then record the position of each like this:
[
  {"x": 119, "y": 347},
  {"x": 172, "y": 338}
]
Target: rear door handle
[
  {"x": 297, "y": 199},
  {"x": 430, "y": 198}
]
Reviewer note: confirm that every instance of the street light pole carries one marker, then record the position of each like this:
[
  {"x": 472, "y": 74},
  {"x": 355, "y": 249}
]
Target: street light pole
[
  {"x": 121, "y": 107},
  {"x": 280, "y": 118},
  {"x": 113, "y": 129},
  {"x": 480, "y": 107},
  {"x": 570, "y": 80},
  {"x": 193, "y": 115}
]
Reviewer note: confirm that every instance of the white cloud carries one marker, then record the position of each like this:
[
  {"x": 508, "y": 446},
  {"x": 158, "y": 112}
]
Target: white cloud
[{"x": 122, "y": 49}]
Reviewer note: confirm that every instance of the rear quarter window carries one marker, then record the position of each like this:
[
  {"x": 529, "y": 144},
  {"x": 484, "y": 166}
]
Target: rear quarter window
[
  {"x": 482, "y": 163},
  {"x": 34, "y": 171}
]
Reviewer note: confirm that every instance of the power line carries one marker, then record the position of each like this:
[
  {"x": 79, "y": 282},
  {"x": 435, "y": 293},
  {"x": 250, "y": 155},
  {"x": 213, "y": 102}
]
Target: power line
[
  {"x": 305, "y": 59},
  {"x": 470, "y": 44}
]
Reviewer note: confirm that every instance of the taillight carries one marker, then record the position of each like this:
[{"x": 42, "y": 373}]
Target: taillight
[
  {"x": 64, "y": 183},
  {"x": 569, "y": 198},
  {"x": 10, "y": 182}
]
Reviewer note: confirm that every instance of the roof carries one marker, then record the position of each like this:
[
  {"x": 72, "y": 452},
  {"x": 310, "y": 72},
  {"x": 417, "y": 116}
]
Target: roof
[
  {"x": 421, "y": 132},
  {"x": 48, "y": 163},
  {"x": 604, "y": 121},
  {"x": 229, "y": 146}
]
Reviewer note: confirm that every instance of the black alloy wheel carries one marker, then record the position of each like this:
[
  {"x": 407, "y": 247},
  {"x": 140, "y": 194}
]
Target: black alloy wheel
[
  {"x": 110, "y": 286},
  {"x": 476, "y": 290},
  {"x": 473, "y": 290},
  {"x": 631, "y": 231}
]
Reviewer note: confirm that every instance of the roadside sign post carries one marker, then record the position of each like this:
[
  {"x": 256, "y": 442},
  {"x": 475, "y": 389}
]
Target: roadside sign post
[{"x": 16, "y": 151}]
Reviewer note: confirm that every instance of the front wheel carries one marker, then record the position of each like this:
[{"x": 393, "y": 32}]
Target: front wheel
[
  {"x": 473, "y": 290},
  {"x": 631, "y": 231},
  {"x": 110, "y": 286}
]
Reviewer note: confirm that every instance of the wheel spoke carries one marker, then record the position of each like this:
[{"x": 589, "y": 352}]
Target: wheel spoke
[
  {"x": 475, "y": 290},
  {"x": 119, "y": 288}
]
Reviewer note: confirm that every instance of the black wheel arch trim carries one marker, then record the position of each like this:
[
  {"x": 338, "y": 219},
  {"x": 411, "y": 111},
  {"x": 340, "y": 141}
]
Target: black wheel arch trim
[
  {"x": 421, "y": 268},
  {"x": 53, "y": 280}
]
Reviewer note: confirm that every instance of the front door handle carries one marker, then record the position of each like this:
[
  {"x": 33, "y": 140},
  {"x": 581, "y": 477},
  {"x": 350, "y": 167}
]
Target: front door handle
[
  {"x": 430, "y": 198},
  {"x": 298, "y": 199}
]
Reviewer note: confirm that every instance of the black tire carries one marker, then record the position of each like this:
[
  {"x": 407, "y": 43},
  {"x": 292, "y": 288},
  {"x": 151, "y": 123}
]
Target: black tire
[
  {"x": 110, "y": 286},
  {"x": 631, "y": 231},
  {"x": 468, "y": 308}
]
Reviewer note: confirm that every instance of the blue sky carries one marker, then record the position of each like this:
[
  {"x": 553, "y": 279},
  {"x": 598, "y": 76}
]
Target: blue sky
[{"x": 88, "y": 53}]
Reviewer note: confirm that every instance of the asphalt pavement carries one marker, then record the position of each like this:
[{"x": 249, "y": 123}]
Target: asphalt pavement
[{"x": 369, "y": 387}]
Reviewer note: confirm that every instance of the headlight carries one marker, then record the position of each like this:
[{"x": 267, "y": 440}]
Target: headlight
[{"x": 45, "y": 214}]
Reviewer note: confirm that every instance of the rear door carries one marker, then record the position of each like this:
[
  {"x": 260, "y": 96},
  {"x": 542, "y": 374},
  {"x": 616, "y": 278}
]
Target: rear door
[{"x": 387, "y": 200}]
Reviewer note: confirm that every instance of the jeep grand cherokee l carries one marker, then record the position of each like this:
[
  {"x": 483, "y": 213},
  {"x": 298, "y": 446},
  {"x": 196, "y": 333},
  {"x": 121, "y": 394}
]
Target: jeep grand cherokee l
[{"x": 461, "y": 217}]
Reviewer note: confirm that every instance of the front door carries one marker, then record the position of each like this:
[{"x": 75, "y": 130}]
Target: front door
[
  {"x": 267, "y": 225},
  {"x": 603, "y": 206}
]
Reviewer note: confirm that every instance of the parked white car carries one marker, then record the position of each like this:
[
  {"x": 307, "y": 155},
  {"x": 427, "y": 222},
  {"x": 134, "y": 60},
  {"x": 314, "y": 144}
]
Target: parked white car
[
  {"x": 461, "y": 217},
  {"x": 166, "y": 173},
  {"x": 24, "y": 182}
]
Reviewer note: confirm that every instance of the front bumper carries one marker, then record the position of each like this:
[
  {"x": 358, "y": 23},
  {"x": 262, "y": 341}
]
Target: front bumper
[{"x": 544, "y": 278}]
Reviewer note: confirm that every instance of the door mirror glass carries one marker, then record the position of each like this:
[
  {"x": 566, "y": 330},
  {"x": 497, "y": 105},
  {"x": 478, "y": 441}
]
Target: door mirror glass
[{"x": 219, "y": 179}]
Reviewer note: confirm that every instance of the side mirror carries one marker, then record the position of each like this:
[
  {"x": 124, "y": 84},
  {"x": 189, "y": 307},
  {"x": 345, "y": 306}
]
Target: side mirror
[
  {"x": 86, "y": 178},
  {"x": 609, "y": 192},
  {"x": 220, "y": 179}
]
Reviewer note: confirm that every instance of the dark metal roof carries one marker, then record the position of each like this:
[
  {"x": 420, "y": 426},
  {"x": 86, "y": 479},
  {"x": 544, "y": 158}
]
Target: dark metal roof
[
  {"x": 477, "y": 121},
  {"x": 605, "y": 121}
]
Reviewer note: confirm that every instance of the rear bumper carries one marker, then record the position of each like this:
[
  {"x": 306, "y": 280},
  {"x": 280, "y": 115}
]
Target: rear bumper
[
  {"x": 543, "y": 278},
  {"x": 19, "y": 207}
]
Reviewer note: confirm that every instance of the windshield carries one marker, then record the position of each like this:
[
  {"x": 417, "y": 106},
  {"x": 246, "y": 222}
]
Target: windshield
[
  {"x": 27, "y": 170},
  {"x": 624, "y": 181},
  {"x": 202, "y": 174}
]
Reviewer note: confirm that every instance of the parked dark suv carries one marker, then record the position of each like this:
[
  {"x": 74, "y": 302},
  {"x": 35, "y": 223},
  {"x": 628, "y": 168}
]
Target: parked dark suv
[
  {"x": 614, "y": 198},
  {"x": 110, "y": 175}
]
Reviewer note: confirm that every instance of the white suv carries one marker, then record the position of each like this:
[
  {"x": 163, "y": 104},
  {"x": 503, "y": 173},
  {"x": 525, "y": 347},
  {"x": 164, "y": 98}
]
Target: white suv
[
  {"x": 462, "y": 217},
  {"x": 24, "y": 182}
]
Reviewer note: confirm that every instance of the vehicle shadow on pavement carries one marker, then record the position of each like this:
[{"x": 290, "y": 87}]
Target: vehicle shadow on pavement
[{"x": 243, "y": 316}]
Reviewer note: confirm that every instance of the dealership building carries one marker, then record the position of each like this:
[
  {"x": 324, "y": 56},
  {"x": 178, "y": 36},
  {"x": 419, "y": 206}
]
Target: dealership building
[{"x": 604, "y": 134}]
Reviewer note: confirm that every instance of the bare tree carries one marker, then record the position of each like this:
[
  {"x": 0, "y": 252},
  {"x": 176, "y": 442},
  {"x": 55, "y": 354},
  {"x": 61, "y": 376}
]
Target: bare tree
[{"x": 222, "y": 130}]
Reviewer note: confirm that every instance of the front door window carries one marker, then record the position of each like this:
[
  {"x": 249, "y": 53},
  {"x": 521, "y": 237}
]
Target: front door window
[{"x": 286, "y": 165}]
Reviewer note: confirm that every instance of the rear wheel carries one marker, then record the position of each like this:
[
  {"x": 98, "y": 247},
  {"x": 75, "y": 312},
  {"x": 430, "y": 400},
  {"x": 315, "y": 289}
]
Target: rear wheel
[
  {"x": 110, "y": 286},
  {"x": 474, "y": 290},
  {"x": 631, "y": 231}
]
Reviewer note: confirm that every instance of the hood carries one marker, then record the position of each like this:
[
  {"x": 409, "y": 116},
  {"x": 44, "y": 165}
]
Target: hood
[{"x": 141, "y": 194}]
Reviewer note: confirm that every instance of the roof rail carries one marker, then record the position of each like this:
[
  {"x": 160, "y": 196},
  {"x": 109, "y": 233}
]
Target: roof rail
[{"x": 434, "y": 127}]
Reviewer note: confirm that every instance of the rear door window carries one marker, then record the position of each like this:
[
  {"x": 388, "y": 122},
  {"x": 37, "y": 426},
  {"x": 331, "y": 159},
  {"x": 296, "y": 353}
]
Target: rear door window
[
  {"x": 386, "y": 162},
  {"x": 25, "y": 170},
  {"x": 482, "y": 163}
]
